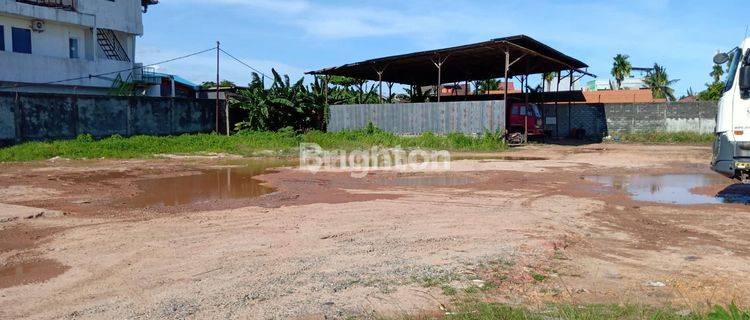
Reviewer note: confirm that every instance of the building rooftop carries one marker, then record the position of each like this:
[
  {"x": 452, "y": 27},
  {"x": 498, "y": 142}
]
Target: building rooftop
[{"x": 478, "y": 61}]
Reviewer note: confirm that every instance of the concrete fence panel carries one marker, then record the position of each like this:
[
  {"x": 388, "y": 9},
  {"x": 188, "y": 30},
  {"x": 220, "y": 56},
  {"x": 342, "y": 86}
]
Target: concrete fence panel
[
  {"x": 190, "y": 116},
  {"x": 469, "y": 117},
  {"x": 151, "y": 117},
  {"x": 7, "y": 119},
  {"x": 50, "y": 117},
  {"x": 36, "y": 116},
  {"x": 697, "y": 117},
  {"x": 103, "y": 116}
]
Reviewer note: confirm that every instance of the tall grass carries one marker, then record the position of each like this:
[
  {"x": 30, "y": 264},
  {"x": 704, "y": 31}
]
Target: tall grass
[
  {"x": 284, "y": 142},
  {"x": 477, "y": 310},
  {"x": 664, "y": 137}
]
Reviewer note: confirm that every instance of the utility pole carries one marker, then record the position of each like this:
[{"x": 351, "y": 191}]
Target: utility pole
[{"x": 218, "y": 48}]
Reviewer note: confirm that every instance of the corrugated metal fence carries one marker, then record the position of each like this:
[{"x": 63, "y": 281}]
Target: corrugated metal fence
[{"x": 469, "y": 117}]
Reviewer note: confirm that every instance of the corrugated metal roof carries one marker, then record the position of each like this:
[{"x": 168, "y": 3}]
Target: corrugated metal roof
[
  {"x": 177, "y": 79},
  {"x": 478, "y": 61}
]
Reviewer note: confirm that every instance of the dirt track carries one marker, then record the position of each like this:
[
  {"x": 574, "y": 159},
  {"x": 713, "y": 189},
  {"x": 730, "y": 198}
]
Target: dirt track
[{"x": 330, "y": 245}]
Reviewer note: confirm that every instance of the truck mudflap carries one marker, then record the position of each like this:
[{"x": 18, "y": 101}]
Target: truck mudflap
[{"x": 729, "y": 159}]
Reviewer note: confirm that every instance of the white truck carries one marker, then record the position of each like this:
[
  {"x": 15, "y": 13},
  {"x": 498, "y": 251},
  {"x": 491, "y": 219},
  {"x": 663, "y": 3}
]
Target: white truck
[{"x": 732, "y": 147}]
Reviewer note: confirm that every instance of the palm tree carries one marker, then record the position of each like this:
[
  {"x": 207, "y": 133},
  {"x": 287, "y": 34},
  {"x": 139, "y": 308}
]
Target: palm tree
[
  {"x": 621, "y": 68},
  {"x": 658, "y": 81},
  {"x": 717, "y": 73},
  {"x": 548, "y": 77},
  {"x": 485, "y": 86}
]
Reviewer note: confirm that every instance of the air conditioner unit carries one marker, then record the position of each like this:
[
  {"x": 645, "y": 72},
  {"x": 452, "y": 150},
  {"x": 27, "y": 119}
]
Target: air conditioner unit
[{"x": 37, "y": 25}]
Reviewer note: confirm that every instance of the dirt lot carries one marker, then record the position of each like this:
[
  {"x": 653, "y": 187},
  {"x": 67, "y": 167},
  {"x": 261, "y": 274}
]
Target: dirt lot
[{"x": 200, "y": 238}]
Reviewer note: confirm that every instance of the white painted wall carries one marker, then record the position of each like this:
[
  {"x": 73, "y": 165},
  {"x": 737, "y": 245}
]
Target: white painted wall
[
  {"x": 119, "y": 15},
  {"x": 50, "y": 59},
  {"x": 53, "y": 42},
  {"x": 20, "y": 68}
]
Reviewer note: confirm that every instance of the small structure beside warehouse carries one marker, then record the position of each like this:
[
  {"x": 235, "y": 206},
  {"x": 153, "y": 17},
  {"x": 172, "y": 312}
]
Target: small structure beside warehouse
[
  {"x": 621, "y": 96},
  {"x": 174, "y": 86}
]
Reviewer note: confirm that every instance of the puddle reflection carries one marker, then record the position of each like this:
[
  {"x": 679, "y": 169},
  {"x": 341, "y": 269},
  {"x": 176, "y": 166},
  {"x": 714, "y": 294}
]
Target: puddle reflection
[
  {"x": 209, "y": 185},
  {"x": 675, "y": 188}
]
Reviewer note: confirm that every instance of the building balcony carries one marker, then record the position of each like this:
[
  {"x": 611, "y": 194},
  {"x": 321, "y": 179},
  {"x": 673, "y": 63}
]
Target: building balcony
[{"x": 69, "y": 5}]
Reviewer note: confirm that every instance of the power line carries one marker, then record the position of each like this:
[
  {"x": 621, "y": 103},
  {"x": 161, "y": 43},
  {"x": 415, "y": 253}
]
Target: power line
[
  {"x": 246, "y": 65},
  {"x": 113, "y": 72}
]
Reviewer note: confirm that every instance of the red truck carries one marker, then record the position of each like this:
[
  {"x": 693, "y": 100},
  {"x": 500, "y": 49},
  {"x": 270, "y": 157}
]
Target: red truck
[{"x": 521, "y": 112}]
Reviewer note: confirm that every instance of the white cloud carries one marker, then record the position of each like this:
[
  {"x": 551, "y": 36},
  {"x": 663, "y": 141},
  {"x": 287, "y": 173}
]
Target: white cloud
[
  {"x": 341, "y": 21},
  {"x": 288, "y": 6}
]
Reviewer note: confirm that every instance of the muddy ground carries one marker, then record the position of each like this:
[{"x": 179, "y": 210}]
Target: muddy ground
[{"x": 184, "y": 237}]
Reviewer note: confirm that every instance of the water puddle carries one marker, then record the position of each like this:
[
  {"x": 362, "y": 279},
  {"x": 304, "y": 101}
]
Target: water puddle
[
  {"x": 501, "y": 158},
  {"x": 677, "y": 188},
  {"x": 30, "y": 272},
  {"x": 424, "y": 181},
  {"x": 228, "y": 183}
]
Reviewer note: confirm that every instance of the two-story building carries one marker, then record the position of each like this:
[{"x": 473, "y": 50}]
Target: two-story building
[{"x": 45, "y": 41}]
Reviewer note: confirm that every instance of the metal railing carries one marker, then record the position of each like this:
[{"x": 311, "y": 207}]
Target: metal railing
[
  {"x": 59, "y": 4},
  {"x": 145, "y": 75}
]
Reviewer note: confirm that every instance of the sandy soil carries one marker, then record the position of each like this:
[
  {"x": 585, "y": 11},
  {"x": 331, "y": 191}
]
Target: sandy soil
[{"x": 329, "y": 245}]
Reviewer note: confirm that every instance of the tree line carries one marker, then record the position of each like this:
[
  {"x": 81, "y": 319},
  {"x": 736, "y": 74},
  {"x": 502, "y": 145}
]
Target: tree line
[{"x": 658, "y": 81}]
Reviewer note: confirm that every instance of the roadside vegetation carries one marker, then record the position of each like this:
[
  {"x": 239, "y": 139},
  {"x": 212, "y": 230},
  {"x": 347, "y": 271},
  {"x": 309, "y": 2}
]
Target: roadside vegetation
[
  {"x": 284, "y": 142},
  {"x": 283, "y": 103},
  {"x": 657, "y": 79},
  {"x": 663, "y": 138},
  {"x": 472, "y": 309}
]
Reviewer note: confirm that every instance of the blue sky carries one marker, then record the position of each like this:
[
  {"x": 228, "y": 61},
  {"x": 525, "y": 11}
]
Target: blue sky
[{"x": 295, "y": 36}]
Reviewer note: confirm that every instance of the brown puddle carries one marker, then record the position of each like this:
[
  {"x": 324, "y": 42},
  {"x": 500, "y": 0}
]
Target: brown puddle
[
  {"x": 18, "y": 274},
  {"x": 22, "y": 237},
  {"x": 425, "y": 181},
  {"x": 501, "y": 158},
  {"x": 237, "y": 182}
]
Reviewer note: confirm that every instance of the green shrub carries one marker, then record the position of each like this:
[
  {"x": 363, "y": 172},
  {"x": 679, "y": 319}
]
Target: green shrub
[
  {"x": 664, "y": 137},
  {"x": 246, "y": 143}
]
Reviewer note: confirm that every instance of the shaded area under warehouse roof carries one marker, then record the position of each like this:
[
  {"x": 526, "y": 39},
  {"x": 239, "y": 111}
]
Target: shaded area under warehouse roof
[
  {"x": 533, "y": 97},
  {"x": 479, "y": 61}
]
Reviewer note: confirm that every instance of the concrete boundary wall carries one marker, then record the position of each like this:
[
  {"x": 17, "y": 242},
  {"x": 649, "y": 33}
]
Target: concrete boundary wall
[
  {"x": 604, "y": 119},
  {"x": 37, "y": 117},
  {"x": 469, "y": 117}
]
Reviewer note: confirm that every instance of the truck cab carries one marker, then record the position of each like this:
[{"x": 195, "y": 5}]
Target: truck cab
[
  {"x": 526, "y": 118},
  {"x": 731, "y": 154}
]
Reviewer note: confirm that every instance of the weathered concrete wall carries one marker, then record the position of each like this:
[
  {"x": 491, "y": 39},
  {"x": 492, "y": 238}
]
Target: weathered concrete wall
[
  {"x": 601, "y": 119},
  {"x": 29, "y": 116},
  {"x": 415, "y": 118},
  {"x": 7, "y": 119}
]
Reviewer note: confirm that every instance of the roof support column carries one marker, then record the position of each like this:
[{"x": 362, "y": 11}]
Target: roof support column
[
  {"x": 557, "y": 113},
  {"x": 380, "y": 85},
  {"x": 505, "y": 91},
  {"x": 440, "y": 79},
  {"x": 439, "y": 65},
  {"x": 570, "y": 102},
  {"x": 466, "y": 90},
  {"x": 524, "y": 87}
]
